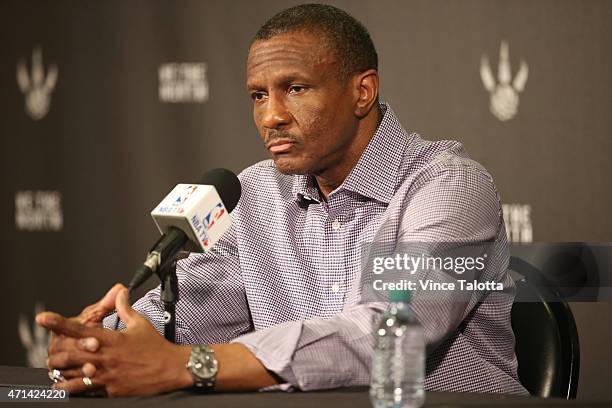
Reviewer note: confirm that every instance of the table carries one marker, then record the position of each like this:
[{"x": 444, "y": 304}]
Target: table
[{"x": 341, "y": 398}]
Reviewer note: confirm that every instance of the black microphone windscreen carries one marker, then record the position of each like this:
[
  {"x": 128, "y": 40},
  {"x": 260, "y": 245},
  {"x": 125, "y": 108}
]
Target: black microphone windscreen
[{"x": 227, "y": 185}]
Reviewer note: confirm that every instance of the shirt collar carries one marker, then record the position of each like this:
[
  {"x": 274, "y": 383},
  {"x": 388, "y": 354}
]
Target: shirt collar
[{"x": 375, "y": 174}]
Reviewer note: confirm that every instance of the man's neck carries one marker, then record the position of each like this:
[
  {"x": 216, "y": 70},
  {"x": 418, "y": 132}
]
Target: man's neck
[{"x": 331, "y": 178}]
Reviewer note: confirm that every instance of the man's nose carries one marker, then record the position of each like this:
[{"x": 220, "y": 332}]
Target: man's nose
[{"x": 275, "y": 114}]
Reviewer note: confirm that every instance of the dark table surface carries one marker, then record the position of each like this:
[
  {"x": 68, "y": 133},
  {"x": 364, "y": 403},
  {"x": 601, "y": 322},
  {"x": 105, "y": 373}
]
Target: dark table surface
[{"x": 349, "y": 398}]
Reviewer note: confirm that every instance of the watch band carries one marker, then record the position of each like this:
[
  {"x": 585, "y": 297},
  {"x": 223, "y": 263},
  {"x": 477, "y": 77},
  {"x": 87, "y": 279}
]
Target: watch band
[{"x": 203, "y": 366}]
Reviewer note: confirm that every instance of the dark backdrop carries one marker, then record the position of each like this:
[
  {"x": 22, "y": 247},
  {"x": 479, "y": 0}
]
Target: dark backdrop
[{"x": 144, "y": 94}]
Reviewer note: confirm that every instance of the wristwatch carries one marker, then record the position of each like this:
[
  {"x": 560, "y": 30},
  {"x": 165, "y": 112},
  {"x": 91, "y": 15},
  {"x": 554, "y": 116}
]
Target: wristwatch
[{"x": 203, "y": 366}]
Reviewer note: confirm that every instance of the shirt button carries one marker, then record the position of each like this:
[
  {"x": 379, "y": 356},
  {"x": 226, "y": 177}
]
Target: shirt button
[
  {"x": 336, "y": 225},
  {"x": 335, "y": 288}
]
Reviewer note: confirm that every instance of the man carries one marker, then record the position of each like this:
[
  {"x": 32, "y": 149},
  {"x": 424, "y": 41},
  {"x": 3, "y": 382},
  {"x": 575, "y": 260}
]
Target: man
[{"x": 278, "y": 304}]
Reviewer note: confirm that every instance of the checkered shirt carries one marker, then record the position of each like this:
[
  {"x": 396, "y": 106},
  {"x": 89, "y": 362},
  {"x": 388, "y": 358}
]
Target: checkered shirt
[{"x": 285, "y": 279}]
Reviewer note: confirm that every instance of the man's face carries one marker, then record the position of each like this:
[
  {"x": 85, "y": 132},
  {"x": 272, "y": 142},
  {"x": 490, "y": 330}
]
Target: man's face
[{"x": 304, "y": 113}]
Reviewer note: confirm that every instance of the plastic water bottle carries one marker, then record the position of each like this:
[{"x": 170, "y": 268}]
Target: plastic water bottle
[{"x": 398, "y": 363}]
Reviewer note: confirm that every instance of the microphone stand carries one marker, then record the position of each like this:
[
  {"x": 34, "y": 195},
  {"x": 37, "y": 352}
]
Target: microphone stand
[{"x": 169, "y": 296}]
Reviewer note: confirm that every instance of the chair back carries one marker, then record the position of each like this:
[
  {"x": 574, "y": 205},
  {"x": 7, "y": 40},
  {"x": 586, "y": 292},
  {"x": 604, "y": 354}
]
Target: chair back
[{"x": 547, "y": 346}]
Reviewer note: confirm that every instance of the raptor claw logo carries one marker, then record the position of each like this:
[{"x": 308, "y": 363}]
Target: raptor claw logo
[
  {"x": 504, "y": 100},
  {"x": 37, "y": 87},
  {"x": 35, "y": 340}
]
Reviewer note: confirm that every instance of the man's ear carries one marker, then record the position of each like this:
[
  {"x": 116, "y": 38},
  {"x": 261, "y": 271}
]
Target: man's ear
[{"x": 366, "y": 92}]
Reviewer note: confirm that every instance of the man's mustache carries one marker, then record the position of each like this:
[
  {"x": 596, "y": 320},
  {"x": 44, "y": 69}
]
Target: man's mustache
[{"x": 280, "y": 134}]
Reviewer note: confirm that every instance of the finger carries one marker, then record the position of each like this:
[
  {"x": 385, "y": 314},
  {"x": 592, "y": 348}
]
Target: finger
[
  {"x": 77, "y": 386},
  {"x": 61, "y": 343},
  {"x": 45, "y": 318},
  {"x": 124, "y": 309},
  {"x": 87, "y": 370},
  {"x": 69, "y": 327},
  {"x": 108, "y": 301},
  {"x": 94, "y": 313},
  {"x": 88, "y": 344},
  {"x": 52, "y": 347},
  {"x": 72, "y": 359},
  {"x": 70, "y": 373}
]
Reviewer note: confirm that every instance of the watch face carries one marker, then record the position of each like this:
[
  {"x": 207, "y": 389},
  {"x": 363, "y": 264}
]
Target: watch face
[{"x": 206, "y": 367}]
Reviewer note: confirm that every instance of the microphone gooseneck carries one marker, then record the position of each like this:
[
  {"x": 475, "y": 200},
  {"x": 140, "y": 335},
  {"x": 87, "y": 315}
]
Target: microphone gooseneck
[{"x": 183, "y": 225}]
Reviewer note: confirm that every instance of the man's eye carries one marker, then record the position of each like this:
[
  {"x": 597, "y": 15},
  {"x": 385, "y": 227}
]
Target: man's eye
[
  {"x": 258, "y": 96},
  {"x": 296, "y": 89}
]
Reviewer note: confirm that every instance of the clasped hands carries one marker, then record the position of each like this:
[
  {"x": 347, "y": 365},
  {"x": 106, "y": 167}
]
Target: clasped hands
[
  {"x": 136, "y": 361},
  {"x": 87, "y": 358}
]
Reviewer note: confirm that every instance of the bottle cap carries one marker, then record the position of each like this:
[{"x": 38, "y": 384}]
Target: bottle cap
[{"x": 400, "y": 296}]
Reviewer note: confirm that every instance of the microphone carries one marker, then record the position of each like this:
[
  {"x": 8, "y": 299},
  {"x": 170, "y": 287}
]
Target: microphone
[{"x": 192, "y": 217}]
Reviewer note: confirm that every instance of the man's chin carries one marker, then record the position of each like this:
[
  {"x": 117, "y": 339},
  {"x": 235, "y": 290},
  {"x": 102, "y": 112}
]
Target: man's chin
[{"x": 288, "y": 166}]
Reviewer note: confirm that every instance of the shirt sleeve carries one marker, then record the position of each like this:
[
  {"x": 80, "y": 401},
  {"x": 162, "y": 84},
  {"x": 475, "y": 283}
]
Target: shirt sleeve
[
  {"x": 318, "y": 353},
  {"x": 456, "y": 202},
  {"x": 212, "y": 306}
]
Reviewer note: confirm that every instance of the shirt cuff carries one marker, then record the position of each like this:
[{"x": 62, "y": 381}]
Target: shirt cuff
[{"x": 274, "y": 347}]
